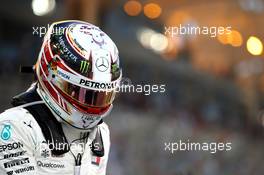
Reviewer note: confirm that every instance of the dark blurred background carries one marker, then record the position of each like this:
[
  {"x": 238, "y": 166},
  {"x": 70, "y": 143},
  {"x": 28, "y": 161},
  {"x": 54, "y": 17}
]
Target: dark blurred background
[{"x": 214, "y": 85}]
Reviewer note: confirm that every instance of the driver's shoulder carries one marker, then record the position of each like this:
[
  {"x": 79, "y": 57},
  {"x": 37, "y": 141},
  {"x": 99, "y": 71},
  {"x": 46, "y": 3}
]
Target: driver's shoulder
[{"x": 15, "y": 114}]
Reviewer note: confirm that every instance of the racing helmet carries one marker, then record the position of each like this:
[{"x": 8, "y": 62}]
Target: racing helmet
[{"x": 78, "y": 73}]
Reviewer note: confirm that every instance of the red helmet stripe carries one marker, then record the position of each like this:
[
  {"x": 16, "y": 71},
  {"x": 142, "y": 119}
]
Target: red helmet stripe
[{"x": 48, "y": 52}]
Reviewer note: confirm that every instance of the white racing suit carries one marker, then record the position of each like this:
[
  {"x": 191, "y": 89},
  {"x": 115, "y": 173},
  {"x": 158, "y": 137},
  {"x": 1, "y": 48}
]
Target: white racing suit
[{"x": 24, "y": 150}]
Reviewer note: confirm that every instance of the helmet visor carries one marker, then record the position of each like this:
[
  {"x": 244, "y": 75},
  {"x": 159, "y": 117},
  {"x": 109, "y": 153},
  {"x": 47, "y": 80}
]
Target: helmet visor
[{"x": 84, "y": 99}]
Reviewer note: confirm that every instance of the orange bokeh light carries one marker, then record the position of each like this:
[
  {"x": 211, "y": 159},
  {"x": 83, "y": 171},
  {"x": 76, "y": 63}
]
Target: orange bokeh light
[
  {"x": 236, "y": 39},
  {"x": 152, "y": 10},
  {"x": 132, "y": 8},
  {"x": 224, "y": 38},
  {"x": 233, "y": 38}
]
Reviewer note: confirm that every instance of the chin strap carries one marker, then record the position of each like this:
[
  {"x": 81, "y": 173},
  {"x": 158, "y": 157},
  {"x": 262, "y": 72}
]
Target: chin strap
[{"x": 51, "y": 128}]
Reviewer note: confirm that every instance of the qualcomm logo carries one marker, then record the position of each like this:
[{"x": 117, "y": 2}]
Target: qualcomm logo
[
  {"x": 6, "y": 134},
  {"x": 50, "y": 165}
]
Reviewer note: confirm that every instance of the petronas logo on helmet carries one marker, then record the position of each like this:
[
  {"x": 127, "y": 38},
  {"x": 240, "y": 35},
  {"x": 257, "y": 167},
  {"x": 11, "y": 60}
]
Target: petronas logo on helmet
[{"x": 84, "y": 66}]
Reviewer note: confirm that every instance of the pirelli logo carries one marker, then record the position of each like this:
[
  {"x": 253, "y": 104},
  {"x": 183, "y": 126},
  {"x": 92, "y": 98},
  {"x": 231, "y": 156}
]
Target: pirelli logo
[{"x": 16, "y": 162}]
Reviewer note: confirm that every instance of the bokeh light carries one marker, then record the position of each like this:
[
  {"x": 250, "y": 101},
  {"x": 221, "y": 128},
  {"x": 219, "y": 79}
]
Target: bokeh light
[
  {"x": 152, "y": 10},
  {"x": 236, "y": 39},
  {"x": 144, "y": 36},
  {"x": 233, "y": 38},
  {"x": 153, "y": 40},
  {"x": 254, "y": 46},
  {"x": 132, "y": 8},
  {"x": 43, "y": 7},
  {"x": 158, "y": 42},
  {"x": 224, "y": 38}
]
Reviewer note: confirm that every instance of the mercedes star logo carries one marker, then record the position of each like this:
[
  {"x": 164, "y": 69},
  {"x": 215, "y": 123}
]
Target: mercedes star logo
[{"x": 102, "y": 64}]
